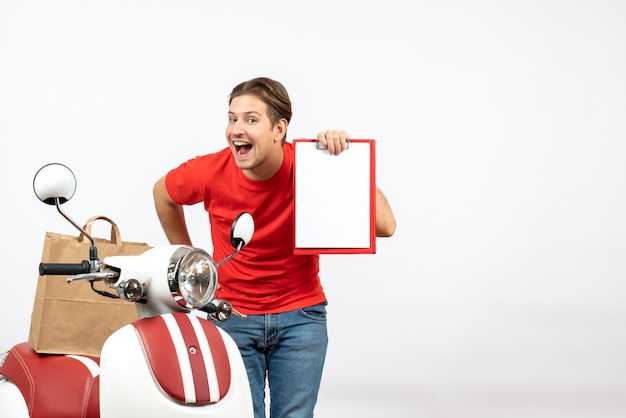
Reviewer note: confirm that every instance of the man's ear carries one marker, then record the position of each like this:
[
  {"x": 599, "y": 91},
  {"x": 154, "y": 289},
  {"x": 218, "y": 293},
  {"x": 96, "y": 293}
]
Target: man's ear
[{"x": 280, "y": 129}]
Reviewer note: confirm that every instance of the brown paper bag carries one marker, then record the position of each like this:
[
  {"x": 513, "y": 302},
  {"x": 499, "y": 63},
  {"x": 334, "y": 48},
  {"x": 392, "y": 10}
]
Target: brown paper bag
[{"x": 72, "y": 318}]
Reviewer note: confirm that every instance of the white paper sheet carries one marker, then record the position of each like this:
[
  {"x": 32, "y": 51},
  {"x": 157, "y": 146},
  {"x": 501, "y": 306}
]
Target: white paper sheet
[{"x": 333, "y": 196}]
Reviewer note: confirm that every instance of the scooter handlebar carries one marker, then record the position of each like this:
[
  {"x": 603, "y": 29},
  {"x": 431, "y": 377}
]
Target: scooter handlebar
[{"x": 63, "y": 269}]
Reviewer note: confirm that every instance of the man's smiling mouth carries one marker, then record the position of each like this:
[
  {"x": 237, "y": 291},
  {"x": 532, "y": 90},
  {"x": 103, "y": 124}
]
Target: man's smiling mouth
[{"x": 242, "y": 147}]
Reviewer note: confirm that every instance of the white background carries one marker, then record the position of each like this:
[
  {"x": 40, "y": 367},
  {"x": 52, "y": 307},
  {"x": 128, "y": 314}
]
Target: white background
[{"x": 501, "y": 143}]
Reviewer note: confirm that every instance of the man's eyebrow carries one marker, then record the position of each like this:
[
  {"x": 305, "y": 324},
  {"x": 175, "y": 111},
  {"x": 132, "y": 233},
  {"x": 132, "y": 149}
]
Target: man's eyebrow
[{"x": 250, "y": 112}]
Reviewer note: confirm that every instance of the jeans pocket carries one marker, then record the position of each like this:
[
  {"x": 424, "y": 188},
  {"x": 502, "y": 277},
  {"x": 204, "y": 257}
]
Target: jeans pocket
[{"x": 315, "y": 312}]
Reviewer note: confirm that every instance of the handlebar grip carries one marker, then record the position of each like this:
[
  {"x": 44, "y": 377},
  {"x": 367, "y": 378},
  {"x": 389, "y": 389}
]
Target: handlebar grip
[{"x": 62, "y": 269}]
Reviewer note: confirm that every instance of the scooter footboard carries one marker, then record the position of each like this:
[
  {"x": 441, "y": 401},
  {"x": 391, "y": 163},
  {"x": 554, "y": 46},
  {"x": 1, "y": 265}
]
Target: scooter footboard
[{"x": 173, "y": 365}]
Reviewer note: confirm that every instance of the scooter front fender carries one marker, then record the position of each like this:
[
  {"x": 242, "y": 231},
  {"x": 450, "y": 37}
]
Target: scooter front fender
[{"x": 128, "y": 382}]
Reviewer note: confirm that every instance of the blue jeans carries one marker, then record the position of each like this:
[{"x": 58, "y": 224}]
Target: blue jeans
[{"x": 289, "y": 350}]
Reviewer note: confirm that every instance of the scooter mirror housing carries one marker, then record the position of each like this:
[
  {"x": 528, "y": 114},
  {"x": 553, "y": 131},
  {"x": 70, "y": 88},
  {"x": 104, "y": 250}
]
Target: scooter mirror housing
[
  {"x": 240, "y": 234},
  {"x": 242, "y": 230},
  {"x": 54, "y": 183}
]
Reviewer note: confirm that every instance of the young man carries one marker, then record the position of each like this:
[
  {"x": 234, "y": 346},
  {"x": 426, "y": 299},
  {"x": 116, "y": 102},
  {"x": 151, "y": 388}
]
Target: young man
[{"x": 284, "y": 338}]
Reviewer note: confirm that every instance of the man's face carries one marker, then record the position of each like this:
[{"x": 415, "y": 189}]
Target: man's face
[{"x": 256, "y": 144}]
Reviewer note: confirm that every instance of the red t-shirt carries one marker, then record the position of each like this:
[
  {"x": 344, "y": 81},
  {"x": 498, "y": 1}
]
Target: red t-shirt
[{"x": 266, "y": 276}]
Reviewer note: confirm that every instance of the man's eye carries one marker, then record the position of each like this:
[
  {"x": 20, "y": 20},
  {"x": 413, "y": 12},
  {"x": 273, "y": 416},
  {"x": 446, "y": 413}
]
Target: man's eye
[
  {"x": 232, "y": 120},
  {"x": 251, "y": 120}
]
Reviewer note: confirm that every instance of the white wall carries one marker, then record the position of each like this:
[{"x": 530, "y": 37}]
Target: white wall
[{"x": 501, "y": 142}]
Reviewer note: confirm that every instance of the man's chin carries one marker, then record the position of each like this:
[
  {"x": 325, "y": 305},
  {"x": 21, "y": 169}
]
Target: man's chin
[{"x": 244, "y": 164}]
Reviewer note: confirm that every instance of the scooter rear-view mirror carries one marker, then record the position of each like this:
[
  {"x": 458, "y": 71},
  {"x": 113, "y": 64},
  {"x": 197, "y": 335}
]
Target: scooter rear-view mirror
[
  {"x": 242, "y": 230},
  {"x": 54, "y": 183}
]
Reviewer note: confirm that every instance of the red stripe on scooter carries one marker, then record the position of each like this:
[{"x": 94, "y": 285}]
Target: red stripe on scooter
[
  {"x": 160, "y": 351},
  {"x": 196, "y": 359},
  {"x": 220, "y": 356}
]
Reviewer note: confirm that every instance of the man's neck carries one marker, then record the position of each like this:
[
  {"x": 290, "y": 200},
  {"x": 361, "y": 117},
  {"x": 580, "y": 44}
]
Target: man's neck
[{"x": 268, "y": 169}]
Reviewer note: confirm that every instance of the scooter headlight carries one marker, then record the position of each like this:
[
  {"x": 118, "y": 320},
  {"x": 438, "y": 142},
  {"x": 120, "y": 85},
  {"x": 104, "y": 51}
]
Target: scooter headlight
[{"x": 192, "y": 277}]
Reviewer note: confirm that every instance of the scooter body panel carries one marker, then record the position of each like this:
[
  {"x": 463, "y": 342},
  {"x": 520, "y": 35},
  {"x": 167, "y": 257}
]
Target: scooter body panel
[
  {"x": 12, "y": 403},
  {"x": 124, "y": 364}
]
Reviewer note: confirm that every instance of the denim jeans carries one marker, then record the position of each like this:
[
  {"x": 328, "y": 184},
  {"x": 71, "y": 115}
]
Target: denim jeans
[{"x": 288, "y": 349}]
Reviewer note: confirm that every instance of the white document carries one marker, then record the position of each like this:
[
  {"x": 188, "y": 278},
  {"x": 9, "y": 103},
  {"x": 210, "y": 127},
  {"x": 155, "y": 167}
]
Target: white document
[{"x": 333, "y": 197}]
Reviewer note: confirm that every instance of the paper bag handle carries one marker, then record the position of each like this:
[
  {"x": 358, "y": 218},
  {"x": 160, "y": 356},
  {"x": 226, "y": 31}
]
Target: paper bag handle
[{"x": 116, "y": 237}]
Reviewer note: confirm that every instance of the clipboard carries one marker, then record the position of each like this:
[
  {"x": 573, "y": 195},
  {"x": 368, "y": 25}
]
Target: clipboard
[{"x": 335, "y": 198}]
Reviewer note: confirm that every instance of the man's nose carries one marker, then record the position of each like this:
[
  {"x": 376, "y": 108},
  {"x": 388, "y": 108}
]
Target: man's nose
[{"x": 238, "y": 127}]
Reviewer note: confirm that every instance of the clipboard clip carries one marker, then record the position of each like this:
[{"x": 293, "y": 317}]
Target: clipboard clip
[{"x": 318, "y": 145}]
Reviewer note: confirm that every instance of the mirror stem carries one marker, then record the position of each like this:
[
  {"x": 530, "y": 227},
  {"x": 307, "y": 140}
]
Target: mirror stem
[
  {"x": 93, "y": 251},
  {"x": 239, "y": 247}
]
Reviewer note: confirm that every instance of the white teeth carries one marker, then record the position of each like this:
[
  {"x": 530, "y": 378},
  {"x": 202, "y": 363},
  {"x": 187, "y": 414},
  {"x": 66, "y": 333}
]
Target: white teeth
[{"x": 240, "y": 143}]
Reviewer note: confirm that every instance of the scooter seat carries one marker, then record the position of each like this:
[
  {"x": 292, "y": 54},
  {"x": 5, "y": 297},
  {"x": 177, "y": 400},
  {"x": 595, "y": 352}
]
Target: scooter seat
[{"x": 54, "y": 385}]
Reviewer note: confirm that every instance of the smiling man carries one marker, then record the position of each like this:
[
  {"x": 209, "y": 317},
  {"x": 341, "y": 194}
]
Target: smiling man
[{"x": 284, "y": 338}]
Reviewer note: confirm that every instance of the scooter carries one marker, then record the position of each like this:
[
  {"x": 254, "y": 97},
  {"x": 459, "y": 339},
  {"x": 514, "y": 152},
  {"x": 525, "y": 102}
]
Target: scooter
[{"x": 172, "y": 362}]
